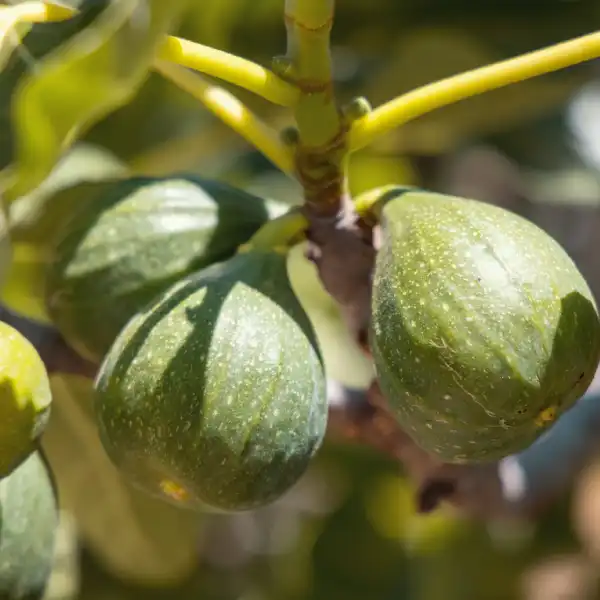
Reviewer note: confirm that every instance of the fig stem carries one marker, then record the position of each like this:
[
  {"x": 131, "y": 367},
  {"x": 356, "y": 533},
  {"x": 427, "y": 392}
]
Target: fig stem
[
  {"x": 321, "y": 150},
  {"x": 308, "y": 24},
  {"x": 368, "y": 204},
  {"x": 279, "y": 234},
  {"x": 453, "y": 89},
  {"x": 229, "y": 67},
  {"x": 232, "y": 112}
]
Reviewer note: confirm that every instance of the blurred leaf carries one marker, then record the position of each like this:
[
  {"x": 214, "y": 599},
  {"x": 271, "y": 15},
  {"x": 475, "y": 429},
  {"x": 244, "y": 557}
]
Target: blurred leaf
[
  {"x": 214, "y": 24},
  {"x": 100, "y": 69},
  {"x": 5, "y": 247},
  {"x": 392, "y": 512},
  {"x": 135, "y": 536},
  {"x": 23, "y": 286},
  {"x": 64, "y": 579},
  {"x": 208, "y": 147},
  {"x": 35, "y": 217},
  {"x": 583, "y": 120},
  {"x": 351, "y": 559},
  {"x": 40, "y": 41},
  {"x": 11, "y": 33}
]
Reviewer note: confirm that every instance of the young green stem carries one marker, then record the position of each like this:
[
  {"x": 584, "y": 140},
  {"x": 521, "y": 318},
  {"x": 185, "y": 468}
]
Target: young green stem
[
  {"x": 232, "y": 112},
  {"x": 339, "y": 245},
  {"x": 223, "y": 65},
  {"x": 453, "y": 89},
  {"x": 279, "y": 234},
  {"x": 321, "y": 149},
  {"x": 228, "y": 67}
]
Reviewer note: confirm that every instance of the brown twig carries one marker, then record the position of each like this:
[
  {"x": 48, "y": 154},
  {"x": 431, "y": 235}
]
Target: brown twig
[{"x": 518, "y": 485}]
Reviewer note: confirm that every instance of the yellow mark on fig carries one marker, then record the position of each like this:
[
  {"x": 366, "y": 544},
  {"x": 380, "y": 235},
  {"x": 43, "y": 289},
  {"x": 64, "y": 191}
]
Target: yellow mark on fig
[
  {"x": 173, "y": 490},
  {"x": 548, "y": 415}
]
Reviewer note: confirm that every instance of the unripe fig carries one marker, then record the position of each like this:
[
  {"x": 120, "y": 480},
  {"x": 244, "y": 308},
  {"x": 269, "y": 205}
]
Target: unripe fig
[
  {"x": 132, "y": 241},
  {"x": 483, "y": 330},
  {"x": 214, "y": 396},
  {"x": 29, "y": 509},
  {"x": 25, "y": 398}
]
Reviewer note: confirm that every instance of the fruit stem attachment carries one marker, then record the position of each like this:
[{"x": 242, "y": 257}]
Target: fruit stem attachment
[
  {"x": 428, "y": 98},
  {"x": 232, "y": 112},
  {"x": 279, "y": 234},
  {"x": 321, "y": 148},
  {"x": 368, "y": 205}
]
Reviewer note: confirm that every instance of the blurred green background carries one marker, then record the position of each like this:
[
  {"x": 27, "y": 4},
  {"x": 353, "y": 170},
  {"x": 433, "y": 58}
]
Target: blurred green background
[{"x": 349, "y": 530}]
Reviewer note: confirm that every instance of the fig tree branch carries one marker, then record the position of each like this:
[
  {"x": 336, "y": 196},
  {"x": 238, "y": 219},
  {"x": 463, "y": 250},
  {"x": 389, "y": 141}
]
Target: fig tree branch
[
  {"x": 320, "y": 157},
  {"x": 279, "y": 234},
  {"x": 308, "y": 24},
  {"x": 453, "y": 89},
  {"x": 308, "y": 65},
  {"x": 228, "y": 67},
  {"x": 232, "y": 112},
  {"x": 516, "y": 486}
]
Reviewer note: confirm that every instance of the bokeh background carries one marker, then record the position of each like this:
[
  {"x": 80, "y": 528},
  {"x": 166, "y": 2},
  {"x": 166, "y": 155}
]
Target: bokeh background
[{"x": 349, "y": 530}]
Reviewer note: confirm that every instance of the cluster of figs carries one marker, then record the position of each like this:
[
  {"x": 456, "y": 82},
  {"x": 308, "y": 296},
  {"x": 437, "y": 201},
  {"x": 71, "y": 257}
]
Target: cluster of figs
[{"x": 211, "y": 387}]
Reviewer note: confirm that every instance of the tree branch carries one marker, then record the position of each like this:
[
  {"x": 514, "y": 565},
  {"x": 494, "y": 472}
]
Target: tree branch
[
  {"x": 229, "y": 67},
  {"x": 518, "y": 485},
  {"x": 453, "y": 89},
  {"x": 232, "y": 112}
]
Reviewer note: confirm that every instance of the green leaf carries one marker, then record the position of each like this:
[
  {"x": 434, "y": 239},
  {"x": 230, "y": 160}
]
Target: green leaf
[
  {"x": 71, "y": 88},
  {"x": 11, "y": 32},
  {"x": 21, "y": 50}
]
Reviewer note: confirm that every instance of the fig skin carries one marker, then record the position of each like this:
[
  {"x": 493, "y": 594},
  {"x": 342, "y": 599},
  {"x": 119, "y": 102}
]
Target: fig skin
[
  {"x": 215, "y": 395},
  {"x": 25, "y": 398},
  {"x": 134, "y": 239},
  {"x": 483, "y": 330}
]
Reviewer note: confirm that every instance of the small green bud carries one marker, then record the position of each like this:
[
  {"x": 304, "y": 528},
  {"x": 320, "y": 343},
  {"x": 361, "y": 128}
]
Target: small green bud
[
  {"x": 283, "y": 67},
  {"x": 290, "y": 136},
  {"x": 356, "y": 109}
]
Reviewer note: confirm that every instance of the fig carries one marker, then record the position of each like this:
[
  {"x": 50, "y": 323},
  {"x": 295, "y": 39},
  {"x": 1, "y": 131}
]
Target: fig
[
  {"x": 483, "y": 330},
  {"x": 29, "y": 509},
  {"x": 214, "y": 396},
  {"x": 157, "y": 542},
  {"x": 25, "y": 398},
  {"x": 133, "y": 240}
]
